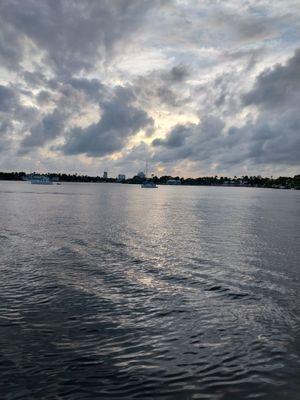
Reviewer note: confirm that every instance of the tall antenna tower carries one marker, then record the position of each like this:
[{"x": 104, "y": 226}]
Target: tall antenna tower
[{"x": 146, "y": 170}]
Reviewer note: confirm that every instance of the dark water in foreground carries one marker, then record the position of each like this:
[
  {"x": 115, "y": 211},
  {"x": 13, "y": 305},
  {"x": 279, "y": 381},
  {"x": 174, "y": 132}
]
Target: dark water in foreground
[{"x": 112, "y": 291}]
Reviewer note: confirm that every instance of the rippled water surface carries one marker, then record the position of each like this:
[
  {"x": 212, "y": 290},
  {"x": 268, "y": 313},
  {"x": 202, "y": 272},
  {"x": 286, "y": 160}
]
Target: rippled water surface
[{"x": 112, "y": 291}]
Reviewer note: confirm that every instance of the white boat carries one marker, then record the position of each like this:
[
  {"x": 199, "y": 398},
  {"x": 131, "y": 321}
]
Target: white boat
[
  {"x": 40, "y": 180},
  {"x": 148, "y": 185}
]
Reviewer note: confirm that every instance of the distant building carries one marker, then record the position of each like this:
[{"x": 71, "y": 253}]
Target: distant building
[
  {"x": 121, "y": 177},
  {"x": 141, "y": 175},
  {"x": 174, "y": 182},
  {"x": 105, "y": 175}
]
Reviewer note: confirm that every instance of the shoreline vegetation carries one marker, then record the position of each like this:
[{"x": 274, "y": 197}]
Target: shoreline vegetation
[{"x": 281, "y": 182}]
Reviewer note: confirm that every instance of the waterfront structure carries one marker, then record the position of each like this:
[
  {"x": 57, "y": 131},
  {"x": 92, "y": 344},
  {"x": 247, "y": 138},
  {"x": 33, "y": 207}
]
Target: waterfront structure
[
  {"x": 173, "y": 182},
  {"x": 105, "y": 175},
  {"x": 40, "y": 180}
]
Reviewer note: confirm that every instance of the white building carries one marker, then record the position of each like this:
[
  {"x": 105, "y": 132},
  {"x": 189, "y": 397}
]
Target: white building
[{"x": 174, "y": 182}]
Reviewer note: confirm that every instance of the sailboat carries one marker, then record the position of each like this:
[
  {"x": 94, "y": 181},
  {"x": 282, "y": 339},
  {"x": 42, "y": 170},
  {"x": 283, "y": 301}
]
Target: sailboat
[{"x": 148, "y": 183}]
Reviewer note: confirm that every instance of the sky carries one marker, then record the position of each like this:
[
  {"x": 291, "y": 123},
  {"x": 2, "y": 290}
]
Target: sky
[{"x": 192, "y": 87}]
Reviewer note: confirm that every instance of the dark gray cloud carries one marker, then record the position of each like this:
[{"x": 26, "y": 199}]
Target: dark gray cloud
[
  {"x": 193, "y": 141},
  {"x": 273, "y": 141},
  {"x": 46, "y": 130},
  {"x": 178, "y": 73},
  {"x": 93, "y": 88},
  {"x": 10, "y": 46},
  {"x": 276, "y": 133},
  {"x": 167, "y": 96},
  {"x": 4, "y": 127},
  {"x": 73, "y": 35},
  {"x": 176, "y": 137},
  {"x": 43, "y": 97},
  {"x": 68, "y": 100},
  {"x": 8, "y": 99},
  {"x": 278, "y": 86},
  {"x": 165, "y": 87},
  {"x": 13, "y": 115},
  {"x": 9, "y": 104},
  {"x": 120, "y": 120},
  {"x": 40, "y": 127}
]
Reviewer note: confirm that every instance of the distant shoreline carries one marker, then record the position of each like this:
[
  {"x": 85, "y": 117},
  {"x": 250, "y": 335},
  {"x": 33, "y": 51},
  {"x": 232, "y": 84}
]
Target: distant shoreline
[{"x": 244, "y": 181}]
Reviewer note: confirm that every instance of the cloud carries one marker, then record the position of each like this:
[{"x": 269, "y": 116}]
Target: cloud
[
  {"x": 8, "y": 99},
  {"x": 13, "y": 116},
  {"x": 46, "y": 130},
  {"x": 119, "y": 121},
  {"x": 9, "y": 103},
  {"x": 72, "y": 35},
  {"x": 271, "y": 137},
  {"x": 61, "y": 103},
  {"x": 277, "y": 87},
  {"x": 10, "y": 46},
  {"x": 193, "y": 141},
  {"x": 84, "y": 77},
  {"x": 43, "y": 97},
  {"x": 93, "y": 88},
  {"x": 178, "y": 73},
  {"x": 176, "y": 137},
  {"x": 36, "y": 79},
  {"x": 4, "y": 127},
  {"x": 246, "y": 28},
  {"x": 276, "y": 94},
  {"x": 165, "y": 87}
]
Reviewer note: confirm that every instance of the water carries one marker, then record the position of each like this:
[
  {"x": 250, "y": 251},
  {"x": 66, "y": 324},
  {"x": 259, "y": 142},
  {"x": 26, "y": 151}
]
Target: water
[{"x": 111, "y": 291}]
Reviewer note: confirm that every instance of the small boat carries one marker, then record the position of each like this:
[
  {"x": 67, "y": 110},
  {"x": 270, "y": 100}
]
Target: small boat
[{"x": 148, "y": 184}]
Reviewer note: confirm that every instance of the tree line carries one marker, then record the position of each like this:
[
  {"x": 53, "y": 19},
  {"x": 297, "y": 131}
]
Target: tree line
[{"x": 252, "y": 181}]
